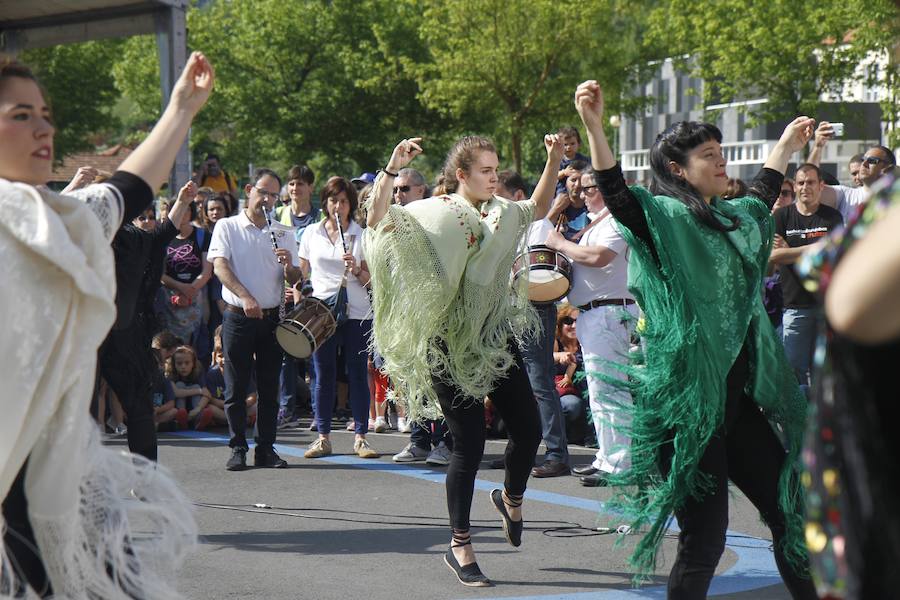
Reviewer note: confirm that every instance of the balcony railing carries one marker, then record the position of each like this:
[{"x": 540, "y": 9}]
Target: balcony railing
[{"x": 736, "y": 153}]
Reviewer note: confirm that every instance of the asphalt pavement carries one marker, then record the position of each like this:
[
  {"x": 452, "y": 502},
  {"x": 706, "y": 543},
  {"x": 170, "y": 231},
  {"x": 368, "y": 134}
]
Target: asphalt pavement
[{"x": 342, "y": 527}]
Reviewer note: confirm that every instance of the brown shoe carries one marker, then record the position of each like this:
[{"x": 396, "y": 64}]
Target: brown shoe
[
  {"x": 550, "y": 468},
  {"x": 319, "y": 448},
  {"x": 363, "y": 449}
]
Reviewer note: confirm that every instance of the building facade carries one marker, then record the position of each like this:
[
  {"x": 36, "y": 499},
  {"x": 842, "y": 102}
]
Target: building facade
[{"x": 677, "y": 96}]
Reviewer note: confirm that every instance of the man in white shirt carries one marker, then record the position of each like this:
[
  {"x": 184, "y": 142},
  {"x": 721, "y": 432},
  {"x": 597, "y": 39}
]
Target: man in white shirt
[
  {"x": 252, "y": 272},
  {"x": 608, "y": 313},
  {"x": 876, "y": 161}
]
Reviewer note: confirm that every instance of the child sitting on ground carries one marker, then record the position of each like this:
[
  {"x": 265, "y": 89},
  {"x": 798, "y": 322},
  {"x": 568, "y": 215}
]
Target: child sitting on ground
[
  {"x": 184, "y": 371},
  {"x": 215, "y": 383},
  {"x": 165, "y": 414}
]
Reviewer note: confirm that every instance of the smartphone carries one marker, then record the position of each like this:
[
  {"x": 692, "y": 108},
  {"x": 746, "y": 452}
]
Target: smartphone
[{"x": 838, "y": 129}]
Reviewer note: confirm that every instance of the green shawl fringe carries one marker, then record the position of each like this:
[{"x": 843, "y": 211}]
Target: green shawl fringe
[{"x": 694, "y": 327}]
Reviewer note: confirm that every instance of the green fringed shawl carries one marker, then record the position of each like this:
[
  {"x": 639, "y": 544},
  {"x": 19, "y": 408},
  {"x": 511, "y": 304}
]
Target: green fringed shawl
[
  {"x": 700, "y": 303},
  {"x": 441, "y": 295}
]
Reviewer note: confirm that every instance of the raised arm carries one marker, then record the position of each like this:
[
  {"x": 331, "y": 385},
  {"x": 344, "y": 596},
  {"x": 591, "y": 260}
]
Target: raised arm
[
  {"x": 861, "y": 302},
  {"x": 546, "y": 186},
  {"x": 618, "y": 198},
  {"x": 382, "y": 189},
  {"x": 152, "y": 160}
]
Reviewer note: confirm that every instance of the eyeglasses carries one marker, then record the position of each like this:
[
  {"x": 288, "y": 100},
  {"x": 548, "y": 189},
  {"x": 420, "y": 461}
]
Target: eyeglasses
[
  {"x": 872, "y": 160},
  {"x": 402, "y": 188},
  {"x": 144, "y": 218},
  {"x": 787, "y": 193},
  {"x": 568, "y": 321},
  {"x": 586, "y": 189},
  {"x": 266, "y": 193}
]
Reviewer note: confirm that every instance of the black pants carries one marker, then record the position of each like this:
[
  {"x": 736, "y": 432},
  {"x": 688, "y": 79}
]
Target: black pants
[
  {"x": 242, "y": 339},
  {"x": 746, "y": 451},
  {"x": 20, "y": 544},
  {"x": 127, "y": 365},
  {"x": 465, "y": 417}
]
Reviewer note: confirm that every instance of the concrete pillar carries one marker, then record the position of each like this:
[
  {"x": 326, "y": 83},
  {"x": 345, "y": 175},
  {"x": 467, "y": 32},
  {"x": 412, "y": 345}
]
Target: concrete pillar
[{"x": 171, "y": 42}]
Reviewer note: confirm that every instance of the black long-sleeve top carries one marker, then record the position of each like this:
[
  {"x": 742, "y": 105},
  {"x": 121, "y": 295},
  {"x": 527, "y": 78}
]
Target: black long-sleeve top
[{"x": 626, "y": 208}]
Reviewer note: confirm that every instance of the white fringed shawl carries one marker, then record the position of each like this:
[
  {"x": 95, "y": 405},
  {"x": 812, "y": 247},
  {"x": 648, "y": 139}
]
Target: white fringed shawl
[{"x": 57, "y": 292}]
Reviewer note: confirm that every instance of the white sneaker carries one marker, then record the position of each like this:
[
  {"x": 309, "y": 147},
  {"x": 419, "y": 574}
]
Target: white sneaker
[
  {"x": 411, "y": 453},
  {"x": 380, "y": 425},
  {"x": 439, "y": 456},
  {"x": 404, "y": 426}
]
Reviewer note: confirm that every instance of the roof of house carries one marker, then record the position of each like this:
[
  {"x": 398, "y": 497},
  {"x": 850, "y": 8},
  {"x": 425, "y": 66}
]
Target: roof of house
[{"x": 105, "y": 160}]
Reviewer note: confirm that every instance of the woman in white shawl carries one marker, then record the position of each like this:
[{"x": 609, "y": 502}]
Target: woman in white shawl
[{"x": 67, "y": 499}]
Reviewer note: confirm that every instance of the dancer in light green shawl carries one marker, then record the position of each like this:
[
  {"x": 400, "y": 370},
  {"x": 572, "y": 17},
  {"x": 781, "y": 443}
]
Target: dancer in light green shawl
[
  {"x": 713, "y": 370},
  {"x": 446, "y": 318}
]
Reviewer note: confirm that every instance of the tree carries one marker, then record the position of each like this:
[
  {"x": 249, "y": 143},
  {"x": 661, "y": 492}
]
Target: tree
[
  {"x": 791, "y": 53},
  {"x": 511, "y": 67},
  {"x": 297, "y": 81},
  {"x": 81, "y": 91}
]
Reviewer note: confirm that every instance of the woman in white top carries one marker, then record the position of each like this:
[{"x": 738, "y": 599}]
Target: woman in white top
[
  {"x": 65, "y": 514},
  {"x": 322, "y": 251}
]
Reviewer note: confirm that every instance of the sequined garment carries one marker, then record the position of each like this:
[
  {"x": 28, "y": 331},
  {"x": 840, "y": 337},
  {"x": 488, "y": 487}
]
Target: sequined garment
[{"x": 852, "y": 474}]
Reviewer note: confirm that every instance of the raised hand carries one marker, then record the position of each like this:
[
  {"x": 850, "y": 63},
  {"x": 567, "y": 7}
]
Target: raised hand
[
  {"x": 195, "y": 84},
  {"x": 824, "y": 132},
  {"x": 187, "y": 193},
  {"x": 589, "y": 103},
  {"x": 404, "y": 153},
  {"x": 554, "y": 146},
  {"x": 797, "y": 134}
]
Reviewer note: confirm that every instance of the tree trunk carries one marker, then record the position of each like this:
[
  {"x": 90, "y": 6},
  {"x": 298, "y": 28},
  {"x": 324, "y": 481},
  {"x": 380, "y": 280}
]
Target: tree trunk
[{"x": 516, "y": 141}]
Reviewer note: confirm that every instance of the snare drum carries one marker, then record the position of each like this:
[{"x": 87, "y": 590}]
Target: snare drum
[
  {"x": 305, "y": 328},
  {"x": 549, "y": 273}
]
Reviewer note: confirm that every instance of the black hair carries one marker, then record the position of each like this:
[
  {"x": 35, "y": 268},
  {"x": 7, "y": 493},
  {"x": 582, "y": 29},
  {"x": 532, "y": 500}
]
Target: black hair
[
  {"x": 811, "y": 167},
  {"x": 579, "y": 165},
  {"x": 303, "y": 173},
  {"x": 887, "y": 152},
  {"x": 512, "y": 181},
  {"x": 263, "y": 171},
  {"x": 673, "y": 145}
]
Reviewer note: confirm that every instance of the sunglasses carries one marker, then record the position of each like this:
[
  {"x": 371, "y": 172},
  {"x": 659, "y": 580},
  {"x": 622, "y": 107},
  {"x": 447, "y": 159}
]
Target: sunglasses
[
  {"x": 872, "y": 160},
  {"x": 786, "y": 193},
  {"x": 402, "y": 188},
  {"x": 567, "y": 321},
  {"x": 145, "y": 218},
  {"x": 585, "y": 189}
]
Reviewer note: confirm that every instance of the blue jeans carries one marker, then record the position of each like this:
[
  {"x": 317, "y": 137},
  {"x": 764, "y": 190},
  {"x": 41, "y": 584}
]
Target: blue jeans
[
  {"x": 242, "y": 338},
  {"x": 430, "y": 436},
  {"x": 288, "y": 392},
  {"x": 537, "y": 354},
  {"x": 353, "y": 336},
  {"x": 799, "y": 337}
]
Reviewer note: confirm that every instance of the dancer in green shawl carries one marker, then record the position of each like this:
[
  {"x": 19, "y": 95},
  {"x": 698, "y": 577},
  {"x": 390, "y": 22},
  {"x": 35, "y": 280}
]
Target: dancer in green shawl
[
  {"x": 446, "y": 318},
  {"x": 713, "y": 369}
]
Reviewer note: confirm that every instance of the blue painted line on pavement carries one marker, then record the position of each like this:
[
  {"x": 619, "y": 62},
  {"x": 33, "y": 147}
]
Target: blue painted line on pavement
[{"x": 754, "y": 569}]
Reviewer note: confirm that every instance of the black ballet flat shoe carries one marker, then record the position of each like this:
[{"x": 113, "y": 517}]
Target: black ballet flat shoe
[
  {"x": 469, "y": 575},
  {"x": 512, "y": 529}
]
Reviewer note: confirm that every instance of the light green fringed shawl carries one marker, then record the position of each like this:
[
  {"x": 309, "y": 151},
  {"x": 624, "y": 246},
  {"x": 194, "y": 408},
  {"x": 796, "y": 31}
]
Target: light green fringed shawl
[
  {"x": 441, "y": 295},
  {"x": 700, "y": 302}
]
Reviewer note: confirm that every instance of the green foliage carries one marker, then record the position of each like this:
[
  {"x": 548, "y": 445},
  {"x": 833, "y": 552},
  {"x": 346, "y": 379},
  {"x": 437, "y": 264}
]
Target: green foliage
[
  {"x": 81, "y": 91},
  {"x": 509, "y": 68},
  {"x": 789, "y": 52}
]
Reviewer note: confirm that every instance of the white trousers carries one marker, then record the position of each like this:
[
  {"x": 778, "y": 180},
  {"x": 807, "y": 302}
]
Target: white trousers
[{"x": 606, "y": 337}]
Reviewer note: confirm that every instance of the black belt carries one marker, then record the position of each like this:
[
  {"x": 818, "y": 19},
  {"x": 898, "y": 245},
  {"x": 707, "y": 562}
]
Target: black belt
[
  {"x": 267, "y": 312},
  {"x": 607, "y": 302}
]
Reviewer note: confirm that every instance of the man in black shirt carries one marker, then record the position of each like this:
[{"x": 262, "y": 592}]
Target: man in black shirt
[{"x": 798, "y": 225}]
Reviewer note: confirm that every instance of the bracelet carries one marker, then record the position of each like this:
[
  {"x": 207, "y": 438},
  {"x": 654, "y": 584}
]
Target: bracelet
[{"x": 388, "y": 173}]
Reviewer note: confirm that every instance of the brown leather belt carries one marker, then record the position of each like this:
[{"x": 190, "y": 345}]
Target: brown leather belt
[
  {"x": 607, "y": 302},
  {"x": 267, "y": 312}
]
